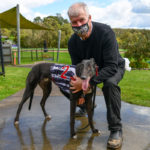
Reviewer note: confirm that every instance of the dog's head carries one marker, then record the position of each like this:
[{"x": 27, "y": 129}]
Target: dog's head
[{"x": 85, "y": 70}]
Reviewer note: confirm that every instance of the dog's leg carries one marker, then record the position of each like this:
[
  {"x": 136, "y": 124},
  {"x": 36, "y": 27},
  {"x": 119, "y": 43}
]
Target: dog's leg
[
  {"x": 28, "y": 93},
  {"x": 72, "y": 118},
  {"x": 90, "y": 114},
  {"x": 46, "y": 85}
]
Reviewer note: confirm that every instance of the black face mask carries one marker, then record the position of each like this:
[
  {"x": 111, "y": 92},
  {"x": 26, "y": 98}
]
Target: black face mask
[{"x": 81, "y": 30}]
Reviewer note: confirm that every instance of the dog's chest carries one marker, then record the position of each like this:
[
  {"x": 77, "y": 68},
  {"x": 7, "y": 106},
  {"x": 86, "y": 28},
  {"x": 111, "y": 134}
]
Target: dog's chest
[{"x": 61, "y": 75}]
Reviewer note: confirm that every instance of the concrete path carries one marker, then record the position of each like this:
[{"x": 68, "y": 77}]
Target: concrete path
[{"x": 34, "y": 133}]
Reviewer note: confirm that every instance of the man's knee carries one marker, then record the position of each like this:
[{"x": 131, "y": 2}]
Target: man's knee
[
  {"x": 114, "y": 80},
  {"x": 110, "y": 82},
  {"x": 110, "y": 85}
]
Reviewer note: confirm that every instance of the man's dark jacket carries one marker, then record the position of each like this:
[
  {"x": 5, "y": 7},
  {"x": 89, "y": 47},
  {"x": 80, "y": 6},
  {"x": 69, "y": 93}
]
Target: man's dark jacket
[{"x": 102, "y": 46}]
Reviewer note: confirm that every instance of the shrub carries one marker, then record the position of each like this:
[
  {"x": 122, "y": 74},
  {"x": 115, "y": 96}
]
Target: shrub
[
  {"x": 138, "y": 48},
  {"x": 134, "y": 64}
]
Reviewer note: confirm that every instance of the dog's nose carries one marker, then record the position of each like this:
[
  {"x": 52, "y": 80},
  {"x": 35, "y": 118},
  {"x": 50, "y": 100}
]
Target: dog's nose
[{"x": 83, "y": 77}]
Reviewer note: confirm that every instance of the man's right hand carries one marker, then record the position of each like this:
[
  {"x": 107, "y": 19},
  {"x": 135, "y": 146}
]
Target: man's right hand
[{"x": 76, "y": 84}]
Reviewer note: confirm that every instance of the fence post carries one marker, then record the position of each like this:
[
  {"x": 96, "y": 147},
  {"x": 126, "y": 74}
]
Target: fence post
[
  {"x": 53, "y": 51},
  {"x": 59, "y": 37},
  {"x": 36, "y": 54},
  {"x": 18, "y": 33},
  {"x": 1, "y": 54},
  {"x": 15, "y": 58},
  {"x": 31, "y": 55},
  {"x": 42, "y": 53}
]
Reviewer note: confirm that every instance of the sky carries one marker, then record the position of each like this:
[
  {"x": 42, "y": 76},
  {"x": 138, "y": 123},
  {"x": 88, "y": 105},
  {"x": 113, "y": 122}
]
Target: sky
[{"x": 116, "y": 13}]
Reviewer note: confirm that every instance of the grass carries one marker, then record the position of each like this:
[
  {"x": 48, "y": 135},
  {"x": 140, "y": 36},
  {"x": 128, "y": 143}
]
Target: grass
[
  {"x": 13, "y": 81},
  {"x": 135, "y": 85},
  {"x": 64, "y": 58}
]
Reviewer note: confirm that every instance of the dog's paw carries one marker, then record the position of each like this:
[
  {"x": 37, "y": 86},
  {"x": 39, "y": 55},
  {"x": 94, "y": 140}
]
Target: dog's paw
[
  {"x": 74, "y": 136},
  {"x": 48, "y": 117},
  {"x": 97, "y": 131},
  {"x": 16, "y": 123}
]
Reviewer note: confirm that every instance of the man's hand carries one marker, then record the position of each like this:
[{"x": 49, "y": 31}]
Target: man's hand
[{"x": 76, "y": 84}]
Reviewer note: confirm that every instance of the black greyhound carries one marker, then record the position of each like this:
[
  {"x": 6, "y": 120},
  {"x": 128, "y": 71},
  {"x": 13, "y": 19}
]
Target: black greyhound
[{"x": 42, "y": 75}]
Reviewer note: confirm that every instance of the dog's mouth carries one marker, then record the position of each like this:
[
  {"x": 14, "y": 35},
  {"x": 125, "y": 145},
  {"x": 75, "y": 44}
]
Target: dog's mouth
[{"x": 85, "y": 84}]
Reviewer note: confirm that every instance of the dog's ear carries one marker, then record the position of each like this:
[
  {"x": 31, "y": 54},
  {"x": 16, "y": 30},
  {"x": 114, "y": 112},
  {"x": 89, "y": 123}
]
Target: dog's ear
[
  {"x": 78, "y": 69},
  {"x": 92, "y": 60}
]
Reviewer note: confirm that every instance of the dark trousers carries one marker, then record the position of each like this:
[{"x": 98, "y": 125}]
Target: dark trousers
[{"x": 112, "y": 95}]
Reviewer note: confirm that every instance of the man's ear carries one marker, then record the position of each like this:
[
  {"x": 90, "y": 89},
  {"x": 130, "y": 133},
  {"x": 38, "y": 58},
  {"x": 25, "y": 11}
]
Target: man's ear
[
  {"x": 90, "y": 20},
  {"x": 90, "y": 17}
]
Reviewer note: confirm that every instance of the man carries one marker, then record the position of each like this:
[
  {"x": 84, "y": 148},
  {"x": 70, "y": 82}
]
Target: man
[{"x": 98, "y": 41}]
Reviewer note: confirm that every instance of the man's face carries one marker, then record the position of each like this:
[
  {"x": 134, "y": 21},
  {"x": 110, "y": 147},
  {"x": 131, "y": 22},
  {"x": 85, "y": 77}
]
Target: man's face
[{"x": 81, "y": 19}]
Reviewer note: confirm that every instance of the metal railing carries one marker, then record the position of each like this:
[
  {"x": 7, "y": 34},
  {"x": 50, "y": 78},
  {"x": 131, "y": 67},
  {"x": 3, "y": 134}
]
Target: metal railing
[{"x": 34, "y": 54}]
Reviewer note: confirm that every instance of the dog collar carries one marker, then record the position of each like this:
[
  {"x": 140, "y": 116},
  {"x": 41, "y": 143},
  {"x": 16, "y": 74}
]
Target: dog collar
[{"x": 96, "y": 70}]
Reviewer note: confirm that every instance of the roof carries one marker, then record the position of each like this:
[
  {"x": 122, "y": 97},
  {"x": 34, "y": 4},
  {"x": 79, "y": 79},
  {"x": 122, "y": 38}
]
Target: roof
[{"x": 8, "y": 19}]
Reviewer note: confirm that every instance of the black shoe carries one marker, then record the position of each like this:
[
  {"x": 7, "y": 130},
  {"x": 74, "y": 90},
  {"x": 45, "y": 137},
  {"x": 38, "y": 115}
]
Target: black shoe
[
  {"x": 81, "y": 113},
  {"x": 115, "y": 139}
]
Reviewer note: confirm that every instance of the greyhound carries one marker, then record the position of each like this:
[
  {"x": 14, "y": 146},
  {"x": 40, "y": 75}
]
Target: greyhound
[{"x": 44, "y": 73}]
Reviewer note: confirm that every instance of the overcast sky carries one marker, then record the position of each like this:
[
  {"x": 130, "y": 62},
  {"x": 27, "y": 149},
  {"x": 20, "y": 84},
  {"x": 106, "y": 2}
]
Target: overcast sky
[{"x": 116, "y": 13}]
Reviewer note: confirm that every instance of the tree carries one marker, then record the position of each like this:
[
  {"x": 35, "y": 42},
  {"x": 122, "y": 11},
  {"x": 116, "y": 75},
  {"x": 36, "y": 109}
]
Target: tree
[
  {"x": 38, "y": 20},
  {"x": 52, "y": 36},
  {"x": 60, "y": 19},
  {"x": 138, "y": 48},
  {"x": 66, "y": 32}
]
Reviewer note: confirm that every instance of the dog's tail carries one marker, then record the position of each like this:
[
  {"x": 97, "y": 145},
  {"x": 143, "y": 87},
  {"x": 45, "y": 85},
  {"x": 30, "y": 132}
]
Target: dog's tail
[{"x": 30, "y": 103}]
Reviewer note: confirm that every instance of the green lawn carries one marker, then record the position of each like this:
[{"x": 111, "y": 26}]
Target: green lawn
[
  {"x": 13, "y": 81},
  {"x": 135, "y": 85},
  {"x": 64, "y": 58}
]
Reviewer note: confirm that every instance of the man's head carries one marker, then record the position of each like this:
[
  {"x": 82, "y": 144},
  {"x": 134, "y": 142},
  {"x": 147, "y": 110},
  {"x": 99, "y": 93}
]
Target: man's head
[{"x": 80, "y": 19}]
